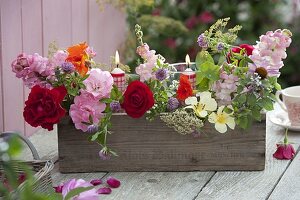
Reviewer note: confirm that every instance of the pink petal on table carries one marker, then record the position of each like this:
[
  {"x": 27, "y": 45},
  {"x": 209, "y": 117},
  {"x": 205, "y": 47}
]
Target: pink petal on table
[
  {"x": 58, "y": 189},
  {"x": 112, "y": 182},
  {"x": 104, "y": 190},
  {"x": 95, "y": 182}
]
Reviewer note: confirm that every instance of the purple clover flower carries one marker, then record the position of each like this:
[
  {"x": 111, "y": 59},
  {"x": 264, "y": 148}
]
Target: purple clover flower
[
  {"x": 115, "y": 106},
  {"x": 220, "y": 46},
  {"x": 68, "y": 67},
  {"x": 104, "y": 154},
  {"x": 202, "y": 41},
  {"x": 173, "y": 103},
  {"x": 92, "y": 128},
  {"x": 161, "y": 74}
]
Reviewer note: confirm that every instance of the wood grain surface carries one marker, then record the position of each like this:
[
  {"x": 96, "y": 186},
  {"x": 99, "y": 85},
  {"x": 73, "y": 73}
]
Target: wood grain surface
[{"x": 152, "y": 146}]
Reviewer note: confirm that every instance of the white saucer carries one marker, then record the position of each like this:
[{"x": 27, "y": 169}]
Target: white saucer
[{"x": 281, "y": 118}]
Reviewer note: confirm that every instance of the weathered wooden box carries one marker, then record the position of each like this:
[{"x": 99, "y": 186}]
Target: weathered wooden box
[{"x": 152, "y": 146}]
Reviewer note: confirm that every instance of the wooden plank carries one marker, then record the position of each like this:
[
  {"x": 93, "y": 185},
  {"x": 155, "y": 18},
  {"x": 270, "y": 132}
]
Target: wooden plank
[
  {"x": 57, "y": 23},
  {"x": 1, "y": 73},
  {"x": 11, "y": 35},
  {"x": 249, "y": 185},
  {"x": 152, "y": 146},
  {"x": 32, "y": 38},
  {"x": 289, "y": 185},
  {"x": 159, "y": 185},
  {"x": 110, "y": 26},
  {"x": 79, "y": 21}
]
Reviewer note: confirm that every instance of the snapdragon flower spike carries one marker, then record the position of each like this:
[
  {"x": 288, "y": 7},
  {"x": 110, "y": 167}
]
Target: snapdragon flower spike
[
  {"x": 112, "y": 182},
  {"x": 104, "y": 190}
]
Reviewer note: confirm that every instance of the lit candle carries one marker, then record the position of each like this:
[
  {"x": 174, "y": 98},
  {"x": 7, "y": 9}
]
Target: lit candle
[
  {"x": 189, "y": 72},
  {"x": 118, "y": 74}
]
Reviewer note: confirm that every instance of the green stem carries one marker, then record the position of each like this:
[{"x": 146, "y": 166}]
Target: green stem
[{"x": 285, "y": 141}]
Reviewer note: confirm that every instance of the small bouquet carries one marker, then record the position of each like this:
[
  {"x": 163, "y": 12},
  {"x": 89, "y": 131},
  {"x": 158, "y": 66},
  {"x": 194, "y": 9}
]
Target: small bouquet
[{"x": 230, "y": 85}]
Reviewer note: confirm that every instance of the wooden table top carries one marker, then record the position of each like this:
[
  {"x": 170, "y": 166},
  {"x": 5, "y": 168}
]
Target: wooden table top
[{"x": 279, "y": 180}]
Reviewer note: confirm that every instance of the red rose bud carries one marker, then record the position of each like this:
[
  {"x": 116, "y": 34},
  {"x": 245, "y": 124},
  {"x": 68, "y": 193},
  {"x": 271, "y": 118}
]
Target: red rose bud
[
  {"x": 248, "y": 48},
  {"x": 138, "y": 99},
  {"x": 112, "y": 182},
  {"x": 96, "y": 182},
  {"x": 284, "y": 152},
  {"x": 43, "y": 107},
  {"x": 104, "y": 190}
]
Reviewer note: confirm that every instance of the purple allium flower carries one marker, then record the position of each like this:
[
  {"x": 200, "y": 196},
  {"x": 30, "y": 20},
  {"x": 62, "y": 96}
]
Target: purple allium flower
[
  {"x": 173, "y": 103},
  {"x": 202, "y": 41},
  {"x": 161, "y": 74},
  {"x": 67, "y": 67},
  {"x": 104, "y": 154},
  {"x": 115, "y": 106},
  {"x": 220, "y": 46},
  {"x": 92, "y": 128}
]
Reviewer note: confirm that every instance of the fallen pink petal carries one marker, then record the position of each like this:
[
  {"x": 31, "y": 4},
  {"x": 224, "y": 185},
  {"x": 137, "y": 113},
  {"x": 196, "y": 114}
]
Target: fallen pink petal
[
  {"x": 284, "y": 152},
  {"x": 112, "y": 182},
  {"x": 58, "y": 189},
  {"x": 96, "y": 182},
  {"x": 104, "y": 190}
]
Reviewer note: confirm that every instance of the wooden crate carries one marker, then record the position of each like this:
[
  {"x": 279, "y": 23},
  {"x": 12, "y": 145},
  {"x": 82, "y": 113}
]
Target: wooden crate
[{"x": 152, "y": 146}]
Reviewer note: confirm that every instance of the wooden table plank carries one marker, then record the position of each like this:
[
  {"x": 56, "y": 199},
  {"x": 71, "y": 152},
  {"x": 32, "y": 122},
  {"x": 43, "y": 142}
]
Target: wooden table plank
[
  {"x": 251, "y": 185},
  {"x": 289, "y": 185},
  {"x": 159, "y": 185}
]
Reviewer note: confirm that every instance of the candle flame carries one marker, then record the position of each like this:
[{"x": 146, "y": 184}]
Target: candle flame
[
  {"x": 117, "y": 58},
  {"x": 187, "y": 60}
]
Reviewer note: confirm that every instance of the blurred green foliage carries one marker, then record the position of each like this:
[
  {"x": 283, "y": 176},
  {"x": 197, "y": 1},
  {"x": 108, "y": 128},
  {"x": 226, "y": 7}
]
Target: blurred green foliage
[{"x": 171, "y": 27}]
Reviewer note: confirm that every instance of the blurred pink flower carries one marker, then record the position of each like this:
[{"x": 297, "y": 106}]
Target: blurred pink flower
[
  {"x": 59, "y": 58},
  {"x": 87, "y": 195},
  {"x": 104, "y": 190},
  {"x": 85, "y": 107},
  {"x": 284, "y": 152},
  {"x": 191, "y": 22},
  {"x": 90, "y": 51},
  {"x": 96, "y": 182},
  {"x": 206, "y": 17},
  {"x": 170, "y": 42},
  {"x": 156, "y": 12},
  {"x": 144, "y": 71},
  {"x": 20, "y": 65},
  {"x": 99, "y": 83},
  {"x": 143, "y": 50}
]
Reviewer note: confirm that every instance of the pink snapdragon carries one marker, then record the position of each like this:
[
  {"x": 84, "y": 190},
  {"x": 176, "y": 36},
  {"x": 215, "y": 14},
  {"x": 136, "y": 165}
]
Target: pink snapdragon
[
  {"x": 225, "y": 87},
  {"x": 145, "y": 70},
  {"x": 86, "y": 107},
  {"x": 91, "y": 194},
  {"x": 99, "y": 84},
  {"x": 90, "y": 51},
  {"x": 269, "y": 52}
]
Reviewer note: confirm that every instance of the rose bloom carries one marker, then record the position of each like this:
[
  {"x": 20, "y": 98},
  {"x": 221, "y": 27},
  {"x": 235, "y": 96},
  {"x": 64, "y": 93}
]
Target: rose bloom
[
  {"x": 85, "y": 107},
  {"x": 184, "y": 89},
  {"x": 43, "y": 107},
  {"x": 77, "y": 56},
  {"x": 99, "y": 83},
  {"x": 138, "y": 98},
  {"x": 249, "y": 49},
  {"x": 284, "y": 152}
]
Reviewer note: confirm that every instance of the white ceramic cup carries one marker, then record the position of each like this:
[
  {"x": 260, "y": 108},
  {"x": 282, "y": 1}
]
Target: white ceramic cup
[{"x": 290, "y": 103}]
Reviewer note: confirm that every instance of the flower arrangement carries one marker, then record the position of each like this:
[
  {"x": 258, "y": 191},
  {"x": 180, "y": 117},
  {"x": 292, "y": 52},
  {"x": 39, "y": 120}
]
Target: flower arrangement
[{"x": 228, "y": 87}]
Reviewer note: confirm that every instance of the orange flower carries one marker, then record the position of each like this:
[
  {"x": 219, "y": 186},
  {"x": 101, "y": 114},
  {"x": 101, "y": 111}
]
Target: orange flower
[
  {"x": 77, "y": 57},
  {"x": 184, "y": 89}
]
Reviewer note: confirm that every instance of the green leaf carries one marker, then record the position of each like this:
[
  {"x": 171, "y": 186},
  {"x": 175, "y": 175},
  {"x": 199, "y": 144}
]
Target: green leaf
[
  {"x": 106, "y": 100},
  {"x": 241, "y": 98},
  {"x": 202, "y": 57},
  {"x": 210, "y": 70},
  {"x": 77, "y": 191},
  {"x": 203, "y": 85},
  {"x": 266, "y": 103},
  {"x": 256, "y": 114},
  {"x": 243, "y": 122},
  {"x": 222, "y": 59},
  {"x": 251, "y": 99}
]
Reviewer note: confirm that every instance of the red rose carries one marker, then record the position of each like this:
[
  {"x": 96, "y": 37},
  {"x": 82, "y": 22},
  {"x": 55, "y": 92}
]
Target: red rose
[
  {"x": 138, "y": 98},
  {"x": 284, "y": 151},
  {"x": 43, "y": 106},
  {"x": 247, "y": 47}
]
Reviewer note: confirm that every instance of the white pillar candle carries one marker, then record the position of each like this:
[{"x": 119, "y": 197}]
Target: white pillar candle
[
  {"x": 191, "y": 75},
  {"x": 118, "y": 75}
]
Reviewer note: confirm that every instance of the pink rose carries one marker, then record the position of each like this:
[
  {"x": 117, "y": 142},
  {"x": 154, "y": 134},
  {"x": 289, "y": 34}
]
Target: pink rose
[
  {"x": 284, "y": 152},
  {"x": 99, "y": 83},
  {"x": 85, "y": 107},
  {"x": 87, "y": 195},
  {"x": 20, "y": 66}
]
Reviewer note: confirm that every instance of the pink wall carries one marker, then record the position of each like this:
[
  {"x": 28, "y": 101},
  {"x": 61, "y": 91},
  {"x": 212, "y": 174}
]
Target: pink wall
[{"x": 30, "y": 25}]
